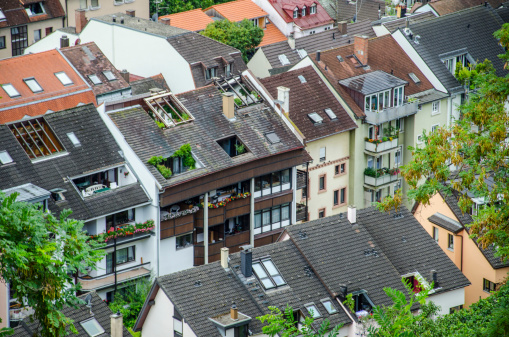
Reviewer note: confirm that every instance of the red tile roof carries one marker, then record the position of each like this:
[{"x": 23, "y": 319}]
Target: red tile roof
[
  {"x": 285, "y": 9},
  {"x": 194, "y": 20},
  {"x": 239, "y": 10},
  {"x": 271, "y": 34},
  {"x": 55, "y": 96},
  {"x": 15, "y": 13}
]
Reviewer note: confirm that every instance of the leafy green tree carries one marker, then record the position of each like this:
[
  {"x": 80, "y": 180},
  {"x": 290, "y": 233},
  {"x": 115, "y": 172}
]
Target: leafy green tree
[
  {"x": 130, "y": 302},
  {"x": 38, "y": 256},
  {"x": 284, "y": 325},
  {"x": 244, "y": 35},
  {"x": 473, "y": 149}
]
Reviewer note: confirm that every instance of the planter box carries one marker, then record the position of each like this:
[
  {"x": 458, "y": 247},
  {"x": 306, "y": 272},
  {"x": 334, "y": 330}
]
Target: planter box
[
  {"x": 384, "y": 146},
  {"x": 387, "y": 178}
]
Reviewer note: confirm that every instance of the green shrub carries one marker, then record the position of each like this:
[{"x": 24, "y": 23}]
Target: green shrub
[{"x": 165, "y": 171}]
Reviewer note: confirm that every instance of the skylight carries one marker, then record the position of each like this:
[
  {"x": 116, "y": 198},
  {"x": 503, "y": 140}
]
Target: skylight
[
  {"x": 315, "y": 118},
  {"x": 327, "y": 304},
  {"x": 33, "y": 85},
  {"x": 268, "y": 274},
  {"x": 95, "y": 79},
  {"x": 64, "y": 78},
  {"x": 302, "y": 53},
  {"x": 109, "y": 75},
  {"x": 272, "y": 137},
  {"x": 283, "y": 59},
  {"x": 330, "y": 113},
  {"x": 2, "y": 16},
  {"x": 5, "y": 158},
  {"x": 75, "y": 141},
  {"x": 414, "y": 78},
  {"x": 10, "y": 90},
  {"x": 313, "y": 311},
  {"x": 340, "y": 59},
  {"x": 302, "y": 79},
  {"x": 92, "y": 327}
]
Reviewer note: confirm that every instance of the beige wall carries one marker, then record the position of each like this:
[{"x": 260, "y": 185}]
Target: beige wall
[
  {"x": 42, "y": 25},
  {"x": 4, "y": 311},
  {"x": 336, "y": 153},
  {"x": 105, "y": 7}
]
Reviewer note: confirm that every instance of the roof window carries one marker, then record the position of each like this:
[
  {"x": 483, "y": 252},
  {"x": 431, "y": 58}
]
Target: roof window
[
  {"x": 2, "y": 15},
  {"x": 109, "y": 75},
  {"x": 167, "y": 110},
  {"x": 92, "y": 327},
  {"x": 296, "y": 13},
  {"x": 268, "y": 274},
  {"x": 5, "y": 158},
  {"x": 283, "y": 59},
  {"x": 10, "y": 90},
  {"x": 302, "y": 53},
  {"x": 330, "y": 113},
  {"x": 33, "y": 85},
  {"x": 272, "y": 137},
  {"x": 64, "y": 78},
  {"x": 75, "y": 141},
  {"x": 327, "y": 304},
  {"x": 315, "y": 118},
  {"x": 414, "y": 78},
  {"x": 233, "y": 146},
  {"x": 302, "y": 79},
  {"x": 35, "y": 9},
  {"x": 340, "y": 58},
  {"x": 312, "y": 309},
  {"x": 36, "y": 138},
  {"x": 95, "y": 79}
]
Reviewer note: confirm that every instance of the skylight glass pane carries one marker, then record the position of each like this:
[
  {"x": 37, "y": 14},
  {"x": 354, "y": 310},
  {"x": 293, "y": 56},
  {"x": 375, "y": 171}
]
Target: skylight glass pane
[
  {"x": 302, "y": 79},
  {"x": 329, "y": 307},
  {"x": 313, "y": 310},
  {"x": 5, "y": 158},
  {"x": 272, "y": 137},
  {"x": 267, "y": 283},
  {"x": 75, "y": 141},
  {"x": 2, "y": 16},
  {"x": 10, "y": 90},
  {"x": 278, "y": 280},
  {"x": 63, "y": 78},
  {"x": 95, "y": 79},
  {"x": 258, "y": 269},
  {"x": 271, "y": 268},
  {"x": 92, "y": 327},
  {"x": 109, "y": 75},
  {"x": 33, "y": 85},
  {"x": 330, "y": 113},
  {"x": 302, "y": 53},
  {"x": 414, "y": 78},
  {"x": 315, "y": 118},
  {"x": 283, "y": 59}
]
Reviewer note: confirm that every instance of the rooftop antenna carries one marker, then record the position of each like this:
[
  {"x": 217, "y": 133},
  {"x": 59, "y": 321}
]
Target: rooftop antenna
[
  {"x": 155, "y": 17},
  {"x": 88, "y": 303}
]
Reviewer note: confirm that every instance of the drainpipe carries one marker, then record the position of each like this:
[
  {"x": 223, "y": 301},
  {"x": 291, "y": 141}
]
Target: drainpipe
[
  {"x": 461, "y": 257},
  {"x": 251, "y": 213},
  {"x": 206, "y": 227},
  {"x": 115, "y": 255},
  {"x": 307, "y": 189}
]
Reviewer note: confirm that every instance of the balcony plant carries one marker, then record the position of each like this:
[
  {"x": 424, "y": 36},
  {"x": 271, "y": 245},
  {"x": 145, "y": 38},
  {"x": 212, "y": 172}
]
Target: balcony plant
[
  {"x": 157, "y": 162},
  {"x": 175, "y": 215},
  {"x": 374, "y": 141},
  {"x": 124, "y": 230},
  {"x": 370, "y": 172},
  {"x": 227, "y": 200},
  {"x": 394, "y": 171}
]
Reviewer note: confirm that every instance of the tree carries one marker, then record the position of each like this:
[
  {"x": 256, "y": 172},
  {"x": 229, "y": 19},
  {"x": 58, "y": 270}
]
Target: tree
[
  {"x": 130, "y": 302},
  {"x": 241, "y": 35},
  {"x": 38, "y": 256},
  {"x": 284, "y": 325},
  {"x": 469, "y": 152}
]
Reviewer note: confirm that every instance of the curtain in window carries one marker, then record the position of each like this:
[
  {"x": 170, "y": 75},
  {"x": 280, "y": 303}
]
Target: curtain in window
[
  {"x": 266, "y": 218},
  {"x": 276, "y": 215},
  {"x": 258, "y": 220},
  {"x": 285, "y": 212}
]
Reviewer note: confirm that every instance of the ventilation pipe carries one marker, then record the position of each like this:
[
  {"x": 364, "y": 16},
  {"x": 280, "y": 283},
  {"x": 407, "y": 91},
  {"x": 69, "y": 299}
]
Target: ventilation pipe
[
  {"x": 246, "y": 260},
  {"x": 224, "y": 257},
  {"x": 64, "y": 41},
  {"x": 234, "y": 312},
  {"x": 352, "y": 214}
]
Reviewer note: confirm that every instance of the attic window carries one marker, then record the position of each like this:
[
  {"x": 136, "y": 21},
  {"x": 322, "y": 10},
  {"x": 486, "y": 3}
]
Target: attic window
[
  {"x": 303, "y": 11},
  {"x": 268, "y": 274},
  {"x": 302, "y": 53},
  {"x": 312, "y": 9},
  {"x": 312, "y": 309},
  {"x": 327, "y": 304},
  {"x": 272, "y": 138},
  {"x": 2, "y": 16},
  {"x": 10, "y": 90},
  {"x": 315, "y": 118},
  {"x": 232, "y": 146},
  {"x": 92, "y": 327},
  {"x": 5, "y": 158},
  {"x": 109, "y": 75},
  {"x": 296, "y": 13},
  {"x": 302, "y": 79},
  {"x": 35, "y": 9},
  {"x": 414, "y": 78},
  {"x": 58, "y": 194},
  {"x": 283, "y": 59},
  {"x": 33, "y": 85},
  {"x": 340, "y": 59},
  {"x": 75, "y": 141},
  {"x": 362, "y": 303},
  {"x": 95, "y": 79},
  {"x": 330, "y": 113},
  {"x": 64, "y": 78}
]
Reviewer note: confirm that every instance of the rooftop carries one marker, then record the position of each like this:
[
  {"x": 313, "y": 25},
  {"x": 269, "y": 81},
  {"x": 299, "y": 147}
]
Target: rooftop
[
  {"x": 194, "y": 20},
  {"x": 285, "y": 9},
  {"x": 400, "y": 23},
  {"x": 444, "y": 7},
  {"x": 345, "y": 10},
  {"x": 15, "y": 12},
  {"x": 28, "y": 193},
  {"x": 271, "y": 34},
  {"x": 239, "y": 10},
  {"x": 372, "y": 82},
  {"x": 142, "y": 25}
]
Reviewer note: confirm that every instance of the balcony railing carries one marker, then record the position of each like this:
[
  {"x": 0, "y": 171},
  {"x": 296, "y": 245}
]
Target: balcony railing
[
  {"x": 301, "y": 179},
  {"x": 381, "y": 147},
  {"x": 302, "y": 212},
  {"x": 389, "y": 114},
  {"x": 380, "y": 180},
  {"x": 89, "y": 283}
]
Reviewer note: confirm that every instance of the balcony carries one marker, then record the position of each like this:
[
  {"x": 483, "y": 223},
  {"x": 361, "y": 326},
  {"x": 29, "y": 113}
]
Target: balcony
[
  {"x": 89, "y": 283},
  {"x": 389, "y": 114},
  {"x": 233, "y": 242},
  {"x": 302, "y": 212},
  {"x": 301, "y": 179},
  {"x": 380, "y": 177},
  {"x": 375, "y": 147}
]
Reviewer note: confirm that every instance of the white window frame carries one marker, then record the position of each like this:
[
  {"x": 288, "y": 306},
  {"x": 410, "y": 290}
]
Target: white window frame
[
  {"x": 434, "y": 127},
  {"x": 322, "y": 154},
  {"x": 177, "y": 327},
  {"x": 210, "y": 73},
  {"x": 398, "y": 159},
  {"x": 435, "y": 108},
  {"x": 450, "y": 245},
  {"x": 370, "y": 162},
  {"x": 303, "y": 11},
  {"x": 401, "y": 122},
  {"x": 312, "y": 9},
  {"x": 398, "y": 96},
  {"x": 34, "y": 86},
  {"x": 435, "y": 234},
  {"x": 296, "y": 13},
  {"x": 11, "y": 90},
  {"x": 64, "y": 79}
]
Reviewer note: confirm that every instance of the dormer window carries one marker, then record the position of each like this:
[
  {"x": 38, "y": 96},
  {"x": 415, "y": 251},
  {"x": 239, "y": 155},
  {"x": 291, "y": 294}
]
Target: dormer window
[
  {"x": 228, "y": 69},
  {"x": 210, "y": 73},
  {"x": 296, "y": 13},
  {"x": 313, "y": 310},
  {"x": 35, "y": 9},
  {"x": 362, "y": 303},
  {"x": 303, "y": 11},
  {"x": 312, "y": 9}
]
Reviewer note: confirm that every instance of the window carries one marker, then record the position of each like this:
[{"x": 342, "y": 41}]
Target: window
[
  {"x": 296, "y": 13},
  {"x": 303, "y": 11},
  {"x": 95, "y": 79},
  {"x": 315, "y": 118},
  {"x": 488, "y": 286},
  {"x": 64, "y": 79},
  {"x": 450, "y": 241},
  {"x": 378, "y": 101},
  {"x": 435, "y": 108},
  {"x": 336, "y": 170},
  {"x": 379, "y": 162},
  {"x": 272, "y": 183},
  {"x": 272, "y": 137},
  {"x": 283, "y": 59},
  {"x": 49, "y": 30},
  {"x": 434, "y": 127},
  {"x": 109, "y": 75},
  {"x": 312, "y": 9},
  {"x": 398, "y": 96},
  {"x": 336, "y": 197},
  {"x": 330, "y": 113},
  {"x": 83, "y": 4},
  {"x": 435, "y": 234},
  {"x": 37, "y": 35},
  {"x": 312, "y": 310},
  {"x": 33, "y": 85},
  {"x": 184, "y": 241},
  {"x": 232, "y": 146},
  {"x": 35, "y": 9},
  {"x": 322, "y": 154},
  {"x": 19, "y": 40},
  {"x": 124, "y": 255},
  {"x": 75, "y": 141},
  {"x": 10, "y": 90},
  {"x": 398, "y": 156},
  {"x": 210, "y": 73},
  {"x": 400, "y": 124},
  {"x": 420, "y": 140},
  {"x": 362, "y": 301},
  {"x": 322, "y": 183},
  {"x": 321, "y": 213},
  {"x": 327, "y": 304},
  {"x": 2, "y": 42},
  {"x": 342, "y": 168},
  {"x": 451, "y": 63},
  {"x": 177, "y": 327},
  {"x": 92, "y": 327},
  {"x": 455, "y": 309},
  {"x": 370, "y": 162},
  {"x": 268, "y": 274},
  {"x": 94, "y": 3},
  {"x": 302, "y": 53},
  {"x": 273, "y": 218},
  {"x": 5, "y": 158},
  {"x": 342, "y": 195},
  {"x": 228, "y": 69}
]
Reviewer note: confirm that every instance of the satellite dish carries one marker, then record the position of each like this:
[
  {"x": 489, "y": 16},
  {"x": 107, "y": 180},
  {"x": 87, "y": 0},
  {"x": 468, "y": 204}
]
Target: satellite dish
[
  {"x": 88, "y": 301},
  {"x": 396, "y": 2}
]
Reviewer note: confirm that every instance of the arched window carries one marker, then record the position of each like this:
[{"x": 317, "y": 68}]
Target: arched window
[
  {"x": 304, "y": 11},
  {"x": 295, "y": 12}
]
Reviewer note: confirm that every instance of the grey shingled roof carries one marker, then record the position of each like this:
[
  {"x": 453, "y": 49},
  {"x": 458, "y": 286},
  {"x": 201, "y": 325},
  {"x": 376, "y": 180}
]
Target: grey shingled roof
[
  {"x": 101, "y": 312},
  {"x": 400, "y": 23},
  {"x": 445, "y": 222},
  {"x": 321, "y": 41},
  {"x": 471, "y": 28},
  {"x": 367, "y": 9},
  {"x": 372, "y": 82},
  {"x": 98, "y": 151},
  {"x": 210, "y": 125},
  {"x": 503, "y": 11}
]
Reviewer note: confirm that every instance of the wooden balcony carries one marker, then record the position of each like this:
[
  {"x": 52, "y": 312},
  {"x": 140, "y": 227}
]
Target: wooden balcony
[
  {"x": 181, "y": 225},
  {"x": 231, "y": 241}
]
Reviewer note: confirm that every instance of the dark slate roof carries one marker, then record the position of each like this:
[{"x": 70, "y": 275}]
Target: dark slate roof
[
  {"x": 308, "y": 97},
  {"x": 210, "y": 125},
  {"x": 471, "y": 28},
  {"x": 400, "y": 23},
  {"x": 140, "y": 24},
  {"x": 311, "y": 43},
  {"x": 97, "y": 152},
  {"x": 430, "y": 95},
  {"x": 372, "y": 82},
  {"x": 367, "y": 9},
  {"x": 503, "y": 11},
  {"x": 342, "y": 253},
  {"x": 15, "y": 13},
  {"x": 446, "y": 223},
  {"x": 144, "y": 85},
  {"x": 101, "y": 312},
  {"x": 217, "y": 291}
]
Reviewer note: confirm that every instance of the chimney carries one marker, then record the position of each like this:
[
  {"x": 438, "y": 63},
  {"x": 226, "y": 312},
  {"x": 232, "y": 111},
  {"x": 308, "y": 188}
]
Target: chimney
[
  {"x": 361, "y": 48},
  {"x": 407, "y": 22},
  {"x": 64, "y": 41},
  {"x": 165, "y": 21},
  {"x": 125, "y": 75},
  {"x": 246, "y": 260},
  {"x": 81, "y": 20},
  {"x": 228, "y": 105},
  {"x": 342, "y": 27},
  {"x": 122, "y": 20},
  {"x": 434, "y": 278},
  {"x": 352, "y": 214},
  {"x": 400, "y": 11},
  {"x": 224, "y": 257},
  {"x": 291, "y": 41},
  {"x": 117, "y": 329},
  {"x": 131, "y": 12},
  {"x": 234, "y": 312},
  {"x": 317, "y": 56},
  {"x": 283, "y": 95},
  {"x": 114, "y": 18}
]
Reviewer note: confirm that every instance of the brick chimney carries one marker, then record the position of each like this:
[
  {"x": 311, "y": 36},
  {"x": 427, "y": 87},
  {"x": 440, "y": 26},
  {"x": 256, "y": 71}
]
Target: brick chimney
[
  {"x": 165, "y": 21},
  {"x": 228, "y": 105},
  {"x": 64, "y": 41},
  {"x": 361, "y": 48},
  {"x": 125, "y": 75},
  {"x": 342, "y": 27},
  {"x": 117, "y": 329},
  {"x": 131, "y": 12},
  {"x": 81, "y": 20}
]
